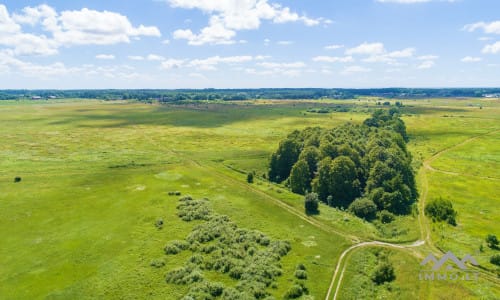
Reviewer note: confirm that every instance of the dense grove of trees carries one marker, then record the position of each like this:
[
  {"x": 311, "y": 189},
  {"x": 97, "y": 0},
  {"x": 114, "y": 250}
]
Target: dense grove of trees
[
  {"x": 245, "y": 94},
  {"x": 366, "y": 168}
]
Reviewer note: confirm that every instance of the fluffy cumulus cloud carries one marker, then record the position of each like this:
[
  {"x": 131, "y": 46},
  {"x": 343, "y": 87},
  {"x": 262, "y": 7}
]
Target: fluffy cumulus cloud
[
  {"x": 66, "y": 28},
  {"x": 226, "y": 17},
  {"x": 367, "y": 49},
  {"x": 489, "y": 28},
  {"x": 492, "y": 49},
  {"x": 377, "y": 53}
]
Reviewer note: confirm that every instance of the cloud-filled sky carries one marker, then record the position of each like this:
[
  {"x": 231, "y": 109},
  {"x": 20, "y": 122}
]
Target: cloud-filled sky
[{"x": 249, "y": 43}]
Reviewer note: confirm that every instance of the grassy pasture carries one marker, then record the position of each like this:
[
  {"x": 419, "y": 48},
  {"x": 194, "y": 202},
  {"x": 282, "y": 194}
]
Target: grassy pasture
[{"x": 96, "y": 177}]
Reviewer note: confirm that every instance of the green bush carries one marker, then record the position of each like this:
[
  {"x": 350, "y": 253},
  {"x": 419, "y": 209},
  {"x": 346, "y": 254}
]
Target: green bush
[
  {"x": 311, "y": 203},
  {"x": 300, "y": 274},
  {"x": 363, "y": 208},
  {"x": 174, "y": 247},
  {"x": 386, "y": 216},
  {"x": 441, "y": 210},
  {"x": 250, "y": 177},
  {"x": 157, "y": 263},
  {"x": 384, "y": 272},
  {"x": 495, "y": 259},
  {"x": 294, "y": 292},
  {"x": 492, "y": 241}
]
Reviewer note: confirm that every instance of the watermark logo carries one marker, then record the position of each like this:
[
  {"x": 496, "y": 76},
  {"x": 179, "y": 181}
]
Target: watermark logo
[{"x": 446, "y": 268}]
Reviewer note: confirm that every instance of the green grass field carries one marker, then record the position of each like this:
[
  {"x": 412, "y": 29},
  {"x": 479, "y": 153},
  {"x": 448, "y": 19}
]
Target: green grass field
[{"x": 96, "y": 176}]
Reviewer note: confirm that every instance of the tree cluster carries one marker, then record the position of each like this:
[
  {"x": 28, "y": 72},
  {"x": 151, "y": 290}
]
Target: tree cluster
[
  {"x": 368, "y": 162},
  {"x": 441, "y": 210}
]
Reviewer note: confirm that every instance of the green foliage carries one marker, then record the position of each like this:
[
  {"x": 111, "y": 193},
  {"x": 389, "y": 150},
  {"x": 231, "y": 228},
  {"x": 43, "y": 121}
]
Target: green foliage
[
  {"x": 441, "y": 210},
  {"x": 385, "y": 216},
  {"x": 349, "y": 161},
  {"x": 283, "y": 160},
  {"x": 311, "y": 203},
  {"x": 157, "y": 263},
  {"x": 249, "y": 257},
  {"x": 492, "y": 241},
  {"x": 294, "y": 292},
  {"x": 300, "y": 177},
  {"x": 250, "y": 177},
  {"x": 495, "y": 259},
  {"x": 174, "y": 247},
  {"x": 384, "y": 272},
  {"x": 363, "y": 208},
  {"x": 300, "y": 274},
  {"x": 190, "y": 209}
]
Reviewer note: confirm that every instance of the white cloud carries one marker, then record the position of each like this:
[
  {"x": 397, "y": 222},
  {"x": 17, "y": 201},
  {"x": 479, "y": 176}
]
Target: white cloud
[
  {"x": 67, "y": 28},
  {"x": 274, "y": 65},
  {"x": 135, "y": 57},
  {"x": 470, "y": 59},
  {"x": 226, "y": 17},
  {"x": 485, "y": 38},
  {"x": 407, "y": 52},
  {"x": 154, "y": 57},
  {"x": 165, "y": 42},
  {"x": 215, "y": 33},
  {"x": 210, "y": 63},
  {"x": 426, "y": 65},
  {"x": 172, "y": 63},
  {"x": 367, "y": 49},
  {"x": 333, "y": 59},
  {"x": 105, "y": 56},
  {"x": 378, "y": 54},
  {"x": 333, "y": 47},
  {"x": 262, "y": 57},
  {"x": 284, "y": 43},
  {"x": 86, "y": 26},
  {"x": 490, "y": 28},
  {"x": 356, "y": 69},
  {"x": 428, "y": 57},
  {"x": 492, "y": 49}
]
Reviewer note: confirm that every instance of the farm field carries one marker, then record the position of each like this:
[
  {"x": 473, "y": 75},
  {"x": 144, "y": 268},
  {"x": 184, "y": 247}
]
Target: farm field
[{"x": 96, "y": 177}]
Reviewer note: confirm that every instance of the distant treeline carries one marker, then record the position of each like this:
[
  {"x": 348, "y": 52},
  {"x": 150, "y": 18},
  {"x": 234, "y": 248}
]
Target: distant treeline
[{"x": 247, "y": 94}]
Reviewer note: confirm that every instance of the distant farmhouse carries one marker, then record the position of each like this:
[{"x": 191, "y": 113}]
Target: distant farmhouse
[{"x": 36, "y": 98}]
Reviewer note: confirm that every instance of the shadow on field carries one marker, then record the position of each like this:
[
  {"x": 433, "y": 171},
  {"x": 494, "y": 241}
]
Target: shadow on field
[
  {"x": 199, "y": 116},
  {"x": 422, "y": 110}
]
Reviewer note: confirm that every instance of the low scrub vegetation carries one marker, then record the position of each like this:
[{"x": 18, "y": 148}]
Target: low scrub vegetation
[{"x": 219, "y": 245}]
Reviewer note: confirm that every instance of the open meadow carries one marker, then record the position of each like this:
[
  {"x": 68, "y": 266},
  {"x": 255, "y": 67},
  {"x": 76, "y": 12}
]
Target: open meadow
[{"x": 94, "y": 209}]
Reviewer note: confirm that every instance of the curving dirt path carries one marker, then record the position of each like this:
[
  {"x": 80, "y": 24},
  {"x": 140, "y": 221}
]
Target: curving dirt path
[{"x": 364, "y": 244}]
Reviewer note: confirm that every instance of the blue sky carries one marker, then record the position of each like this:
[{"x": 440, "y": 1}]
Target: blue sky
[{"x": 249, "y": 43}]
